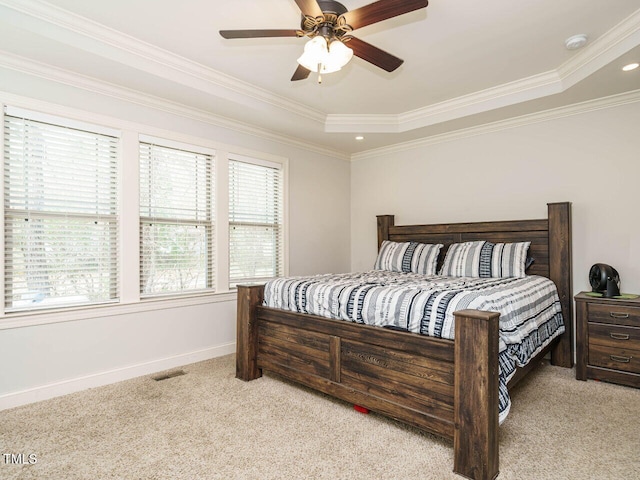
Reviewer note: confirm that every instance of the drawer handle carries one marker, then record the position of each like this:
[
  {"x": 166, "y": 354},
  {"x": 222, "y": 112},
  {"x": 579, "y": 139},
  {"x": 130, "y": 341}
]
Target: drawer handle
[
  {"x": 619, "y": 358},
  {"x": 619, "y": 315},
  {"x": 619, "y": 336}
]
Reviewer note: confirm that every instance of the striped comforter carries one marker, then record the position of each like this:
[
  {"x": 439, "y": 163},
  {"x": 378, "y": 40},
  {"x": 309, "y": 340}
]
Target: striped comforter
[{"x": 530, "y": 312}]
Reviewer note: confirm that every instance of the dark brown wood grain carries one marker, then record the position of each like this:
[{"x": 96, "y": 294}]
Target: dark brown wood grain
[
  {"x": 475, "y": 442},
  {"x": 247, "y": 332},
  {"x": 615, "y": 336},
  {"x": 620, "y": 358},
  {"x": 374, "y": 55},
  {"x": 615, "y": 312},
  {"x": 233, "y": 34},
  {"x": 560, "y": 268},
  {"x": 441, "y": 386},
  {"x": 582, "y": 340},
  {"x": 608, "y": 339},
  {"x": 335, "y": 358},
  {"x": 384, "y": 223},
  {"x": 309, "y": 7},
  {"x": 375, "y": 12}
]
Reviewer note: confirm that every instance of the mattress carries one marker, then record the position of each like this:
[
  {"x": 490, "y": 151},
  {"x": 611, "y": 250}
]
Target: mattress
[{"x": 529, "y": 307}]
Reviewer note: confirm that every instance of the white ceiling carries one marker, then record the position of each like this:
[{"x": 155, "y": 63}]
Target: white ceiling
[{"x": 467, "y": 62}]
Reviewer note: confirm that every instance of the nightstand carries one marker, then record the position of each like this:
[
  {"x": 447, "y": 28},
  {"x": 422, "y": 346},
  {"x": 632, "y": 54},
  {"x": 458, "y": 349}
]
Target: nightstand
[{"x": 608, "y": 339}]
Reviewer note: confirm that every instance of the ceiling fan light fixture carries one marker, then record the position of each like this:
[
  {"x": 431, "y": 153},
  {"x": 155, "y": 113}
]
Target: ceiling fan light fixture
[
  {"x": 321, "y": 57},
  {"x": 339, "y": 53}
]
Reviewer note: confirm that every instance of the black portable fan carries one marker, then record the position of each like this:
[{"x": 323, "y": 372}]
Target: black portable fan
[{"x": 605, "y": 279}]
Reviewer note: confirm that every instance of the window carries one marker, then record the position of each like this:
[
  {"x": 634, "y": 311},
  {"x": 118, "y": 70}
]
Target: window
[
  {"x": 61, "y": 225},
  {"x": 95, "y": 215},
  {"x": 255, "y": 220},
  {"x": 176, "y": 220}
]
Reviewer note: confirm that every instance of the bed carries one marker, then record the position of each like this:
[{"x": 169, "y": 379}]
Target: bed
[{"x": 446, "y": 387}]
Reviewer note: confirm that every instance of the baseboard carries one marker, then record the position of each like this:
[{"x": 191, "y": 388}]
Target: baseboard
[{"x": 51, "y": 390}]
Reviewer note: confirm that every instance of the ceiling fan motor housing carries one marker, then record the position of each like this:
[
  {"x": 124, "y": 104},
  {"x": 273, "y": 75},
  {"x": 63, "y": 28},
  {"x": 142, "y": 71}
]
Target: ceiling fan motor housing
[
  {"x": 329, "y": 6},
  {"x": 330, "y": 25}
]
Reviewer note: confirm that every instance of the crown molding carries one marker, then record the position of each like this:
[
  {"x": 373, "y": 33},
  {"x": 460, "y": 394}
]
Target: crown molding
[
  {"x": 76, "y": 30},
  {"x": 64, "y": 26},
  {"x": 617, "y": 41},
  {"x": 602, "y": 51},
  {"x": 135, "y": 53},
  {"x": 371, "y": 123},
  {"x": 75, "y": 80},
  {"x": 518, "y": 91},
  {"x": 544, "y": 116}
]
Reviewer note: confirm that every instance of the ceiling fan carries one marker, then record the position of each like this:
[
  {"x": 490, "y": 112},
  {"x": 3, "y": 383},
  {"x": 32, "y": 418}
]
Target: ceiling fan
[{"x": 329, "y": 25}]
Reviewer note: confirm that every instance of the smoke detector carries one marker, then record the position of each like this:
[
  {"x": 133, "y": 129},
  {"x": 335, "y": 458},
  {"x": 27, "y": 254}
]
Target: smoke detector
[{"x": 576, "y": 41}]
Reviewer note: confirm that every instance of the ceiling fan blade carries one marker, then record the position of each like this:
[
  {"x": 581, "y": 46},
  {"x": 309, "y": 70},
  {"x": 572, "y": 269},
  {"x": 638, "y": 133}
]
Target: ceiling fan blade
[
  {"x": 309, "y": 7},
  {"x": 300, "y": 74},
  {"x": 374, "y": 55},
  {"x": 381, "y": 10},
  {"x": 258, "y": 33}
]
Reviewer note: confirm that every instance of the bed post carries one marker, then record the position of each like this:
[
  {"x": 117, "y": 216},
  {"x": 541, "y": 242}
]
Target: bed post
[
  {"x": 249, "y": 297},
  {"x": 475, "y": 437},
  {"x": 560, "y": 269},
  {"x": 384, "y": 222}
]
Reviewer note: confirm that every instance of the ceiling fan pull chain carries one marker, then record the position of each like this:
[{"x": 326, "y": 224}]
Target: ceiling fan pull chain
[{"x": 319, "y": 73}]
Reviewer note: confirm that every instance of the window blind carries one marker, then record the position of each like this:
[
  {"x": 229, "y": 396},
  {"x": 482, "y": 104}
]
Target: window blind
[
  {"x": 61, "y": 225},
  {"x": 176, "y": 220},
  {"x": 255, "y": 222}
]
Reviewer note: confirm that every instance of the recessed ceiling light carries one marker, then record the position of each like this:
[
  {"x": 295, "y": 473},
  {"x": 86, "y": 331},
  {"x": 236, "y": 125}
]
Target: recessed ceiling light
[
  {"x": 631, "y": 66},
  {"x": 359, "y": 137},
  {"x": 576, "y": 41}
]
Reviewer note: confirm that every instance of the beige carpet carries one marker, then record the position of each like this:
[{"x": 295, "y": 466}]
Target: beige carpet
[{"x": 208, "y": 425}]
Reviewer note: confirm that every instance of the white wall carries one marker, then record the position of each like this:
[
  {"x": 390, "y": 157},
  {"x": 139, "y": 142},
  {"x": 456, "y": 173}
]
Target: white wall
[
  {"x": 40, "y": 361},
  {"x": 52, "y": 359},
  {"x": 591, "y": 159}
]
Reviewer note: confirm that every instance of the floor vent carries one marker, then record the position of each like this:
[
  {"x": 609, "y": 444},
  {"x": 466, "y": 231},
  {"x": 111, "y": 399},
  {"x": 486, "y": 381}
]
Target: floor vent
[{"x": 166, "y": 375}]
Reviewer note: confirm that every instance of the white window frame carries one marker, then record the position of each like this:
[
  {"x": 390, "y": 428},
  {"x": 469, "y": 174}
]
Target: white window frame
[
  {"x": 57, "y": 122},
  {"x": 128, "y": 210},
  {"x": 261, "y": 162},
  {"x": 210, "y": 267}
]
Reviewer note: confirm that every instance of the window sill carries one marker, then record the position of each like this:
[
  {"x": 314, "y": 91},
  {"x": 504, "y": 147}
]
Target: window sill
[{"x": 70, "y": 314}]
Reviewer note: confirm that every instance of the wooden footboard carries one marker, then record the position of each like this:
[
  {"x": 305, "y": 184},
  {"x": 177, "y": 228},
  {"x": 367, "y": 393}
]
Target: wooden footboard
[{"x": 441, "y": 387}]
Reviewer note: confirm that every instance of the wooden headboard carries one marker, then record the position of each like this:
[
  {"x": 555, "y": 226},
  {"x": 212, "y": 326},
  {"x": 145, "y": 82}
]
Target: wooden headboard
[{"x": 550, "y": 247}]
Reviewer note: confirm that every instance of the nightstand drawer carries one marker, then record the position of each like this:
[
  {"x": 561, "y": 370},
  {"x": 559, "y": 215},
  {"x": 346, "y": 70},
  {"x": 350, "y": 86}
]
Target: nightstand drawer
[
  {"x": 617, "y": 315},
  {"x": 615, "y": 358},
  {"x": 614, "y": 336}
]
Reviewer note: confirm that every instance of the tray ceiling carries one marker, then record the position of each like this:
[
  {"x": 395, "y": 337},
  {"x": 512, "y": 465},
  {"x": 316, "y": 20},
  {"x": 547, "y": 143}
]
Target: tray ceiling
[{"x": 467, "y": 63}]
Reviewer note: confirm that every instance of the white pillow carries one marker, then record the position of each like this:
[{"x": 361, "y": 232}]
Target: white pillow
[
  {"x": 485, "y": 260},
  {"x": 408, "y": 257}
]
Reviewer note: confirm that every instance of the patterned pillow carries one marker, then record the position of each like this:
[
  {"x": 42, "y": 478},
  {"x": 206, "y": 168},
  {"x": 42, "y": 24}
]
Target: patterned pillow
[
  {"x": 408, "y": 257},
  {"x": 485, "y": 260}
]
